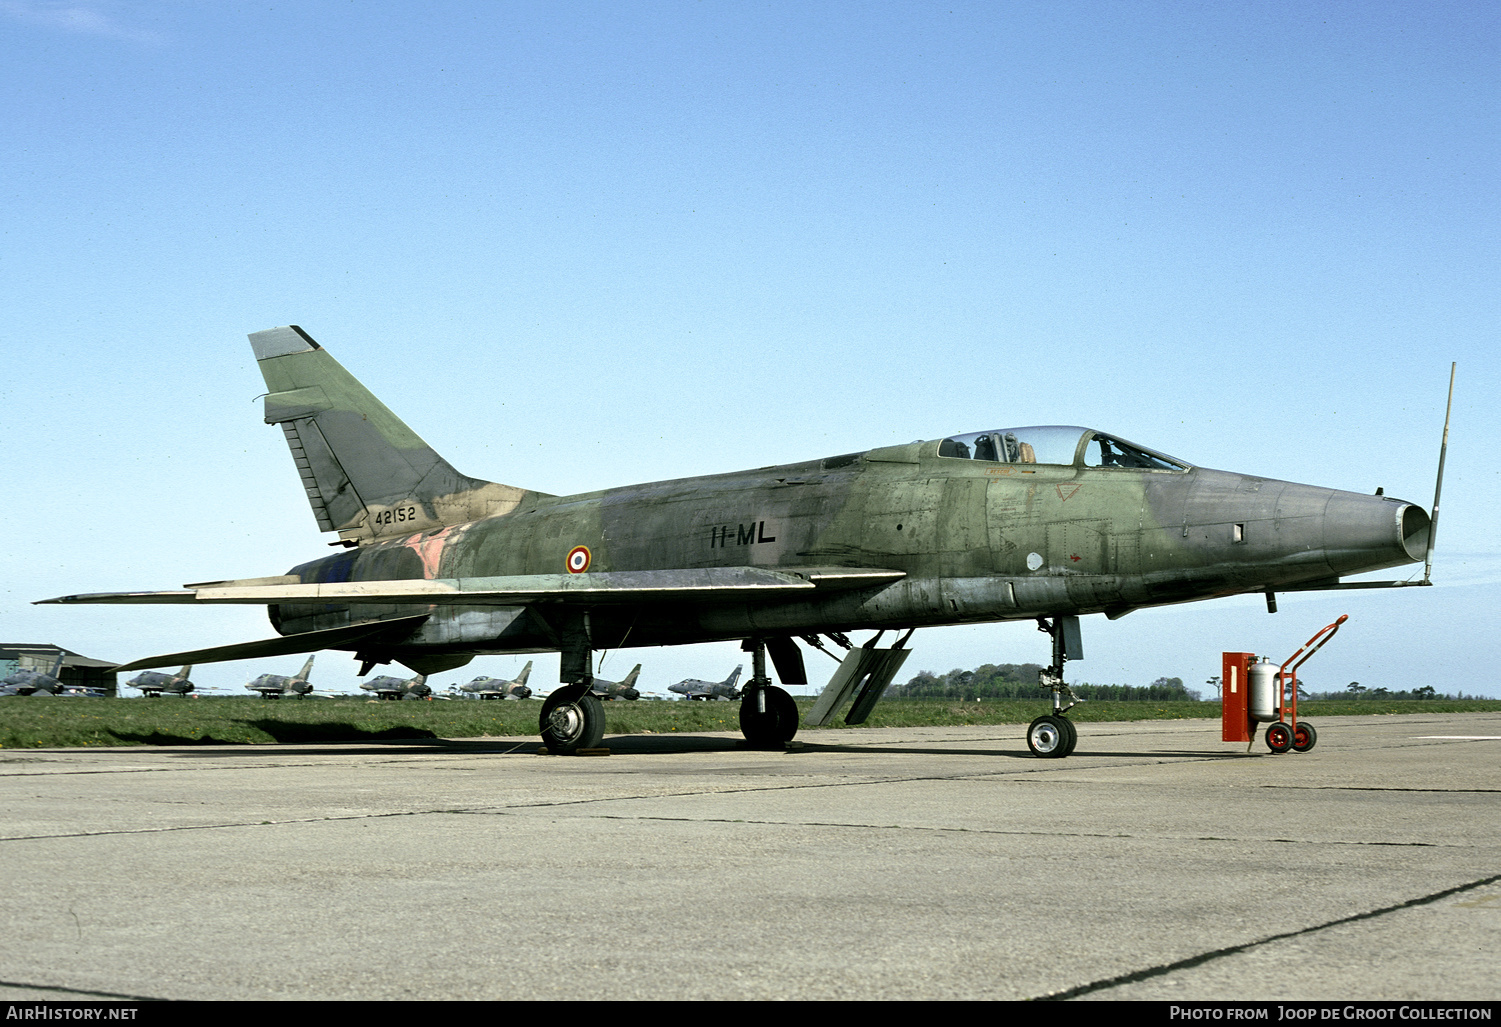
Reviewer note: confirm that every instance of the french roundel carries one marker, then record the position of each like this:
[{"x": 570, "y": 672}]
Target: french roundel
[{"x": 578, "y": 559}]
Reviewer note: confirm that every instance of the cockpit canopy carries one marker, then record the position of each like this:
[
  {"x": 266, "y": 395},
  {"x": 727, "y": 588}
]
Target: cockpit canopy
[{"x": 1056, "y": 444}]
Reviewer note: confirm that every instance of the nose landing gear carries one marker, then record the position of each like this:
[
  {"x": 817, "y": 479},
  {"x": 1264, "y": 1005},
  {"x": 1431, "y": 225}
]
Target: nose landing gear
[{"x": 1054, "y": 736}]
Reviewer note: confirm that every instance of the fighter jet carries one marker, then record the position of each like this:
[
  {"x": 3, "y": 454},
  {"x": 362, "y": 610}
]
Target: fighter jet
[
  {"x": 695, "y": 688},
  {"x": 396, "y": 688},
  {"x": 607, "y": 690},
  {"x": 153, "y": 684},
  {"x": 499, "y": 688},
  {"x": 274, "y": 686},
  {"x": 1048, "y": 523},
  {"x": 34, "y": 682},
  {"x": 625, "y": 689}
]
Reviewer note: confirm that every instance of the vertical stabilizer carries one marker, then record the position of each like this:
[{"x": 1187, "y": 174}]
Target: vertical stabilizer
[
  {"x": 367, "y": 475},
  {"x": 526, "y": 672}
]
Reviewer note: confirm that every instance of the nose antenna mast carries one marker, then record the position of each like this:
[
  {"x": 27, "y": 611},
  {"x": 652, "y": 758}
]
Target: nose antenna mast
[{"x": 1438, "y": 486}]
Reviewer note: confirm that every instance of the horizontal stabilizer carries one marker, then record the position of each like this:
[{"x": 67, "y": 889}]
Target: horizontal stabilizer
[
  {"x": 705, "y": 584},
  {"x": 305, "y": 642}
]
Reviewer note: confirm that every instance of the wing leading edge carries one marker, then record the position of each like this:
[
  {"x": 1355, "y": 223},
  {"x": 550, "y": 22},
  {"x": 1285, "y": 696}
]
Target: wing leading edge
[{"x": 710, "y": 584}]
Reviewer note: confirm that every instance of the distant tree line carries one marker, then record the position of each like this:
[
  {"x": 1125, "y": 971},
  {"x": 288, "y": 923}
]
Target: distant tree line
[
  {"x": 1021, "y": 681},
  {"x": 1355, "y": 690}
]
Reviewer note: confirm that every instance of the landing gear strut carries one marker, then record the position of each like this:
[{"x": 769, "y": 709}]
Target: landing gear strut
[
  {"x": 768, "y": 716},
  {"x": 1054, "y": 736},
  {"x": 572, "y": 717}
]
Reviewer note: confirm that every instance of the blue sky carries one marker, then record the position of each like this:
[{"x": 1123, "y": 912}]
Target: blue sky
[{"x": 583, "y": 245}]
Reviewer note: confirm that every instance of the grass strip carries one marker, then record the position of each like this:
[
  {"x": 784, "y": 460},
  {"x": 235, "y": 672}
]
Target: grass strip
[{"x": 31, "y": 722}]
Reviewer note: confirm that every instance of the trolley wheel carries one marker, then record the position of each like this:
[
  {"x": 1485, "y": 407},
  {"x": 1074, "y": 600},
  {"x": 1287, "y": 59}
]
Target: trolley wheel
[
  {"x": 1279, "y": 737},
  {"x": 1304, "y": 737},
  {"x": 1073, "y": 736},
  {"x": 1048, "y": 737}
]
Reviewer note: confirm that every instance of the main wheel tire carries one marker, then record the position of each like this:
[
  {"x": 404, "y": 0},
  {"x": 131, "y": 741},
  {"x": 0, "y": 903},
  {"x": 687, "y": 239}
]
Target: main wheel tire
[
  {"x": 1047, "y": 737},
  {"x": 571, "y": 719},
  {"x": 1304, "y": 737},
  {"x": 1279, "y": 737},
  {"x": 1073, "y": 735},
  {"x": 777, "y": 725}
]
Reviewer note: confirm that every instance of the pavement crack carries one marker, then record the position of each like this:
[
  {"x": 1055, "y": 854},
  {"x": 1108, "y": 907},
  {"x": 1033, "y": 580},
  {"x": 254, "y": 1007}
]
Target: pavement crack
[
  {"x": 1230, "y": 950},
  {"x": 246, "y": 823},
  {"x": 940, "y": 829},
  {"x": 91, "y": 992},
  {"x": 1381, "y": 788}
]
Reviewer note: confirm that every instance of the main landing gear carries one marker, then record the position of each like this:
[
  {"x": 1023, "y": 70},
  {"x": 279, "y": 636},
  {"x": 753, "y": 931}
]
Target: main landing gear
[
  {"x": 768, "y": 716},
  {"x": 1054, "y": 736},
  {"x": 572, "y": 719}
]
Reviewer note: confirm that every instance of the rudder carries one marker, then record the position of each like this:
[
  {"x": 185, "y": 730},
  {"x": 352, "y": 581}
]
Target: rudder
[{"x": 366, "y": 474}]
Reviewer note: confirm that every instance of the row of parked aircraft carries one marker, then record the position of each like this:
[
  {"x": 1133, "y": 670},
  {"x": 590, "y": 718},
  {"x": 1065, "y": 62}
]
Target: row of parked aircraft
[{"x": 275, "y": 686}]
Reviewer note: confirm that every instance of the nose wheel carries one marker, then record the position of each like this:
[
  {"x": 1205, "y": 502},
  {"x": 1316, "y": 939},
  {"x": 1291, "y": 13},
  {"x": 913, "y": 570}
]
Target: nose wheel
[{"x": 1052, "y": 737}]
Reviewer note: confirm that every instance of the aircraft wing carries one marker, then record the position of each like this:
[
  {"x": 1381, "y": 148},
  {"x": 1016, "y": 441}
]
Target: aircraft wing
[
  {"x": 706, "y": 584},
  {"x": 308, "y": 641}
]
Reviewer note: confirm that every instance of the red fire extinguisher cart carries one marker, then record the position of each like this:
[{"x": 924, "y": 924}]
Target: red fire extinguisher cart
[{"x": 1253, "y": 692}]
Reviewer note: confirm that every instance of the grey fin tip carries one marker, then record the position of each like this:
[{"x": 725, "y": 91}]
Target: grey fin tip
[{"x": 278, "y": 342}]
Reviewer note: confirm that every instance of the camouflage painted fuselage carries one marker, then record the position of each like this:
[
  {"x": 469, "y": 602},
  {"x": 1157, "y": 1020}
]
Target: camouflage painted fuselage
[
  {"x": 978, "y": 541},
  {"x": 1047, "y": 521}
]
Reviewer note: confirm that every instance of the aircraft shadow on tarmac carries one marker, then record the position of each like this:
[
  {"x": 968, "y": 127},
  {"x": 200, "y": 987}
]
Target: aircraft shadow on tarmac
[
  {"x": 424, "y": 742},
  {"x": 1021, "y": 753},
  {"x": 283, "y": 731},
  {"x": 663, "y": 745}
]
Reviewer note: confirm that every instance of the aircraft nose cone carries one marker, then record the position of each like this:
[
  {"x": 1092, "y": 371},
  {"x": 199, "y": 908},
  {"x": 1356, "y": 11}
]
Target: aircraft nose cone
[{"x": 1366, "y": 533}]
